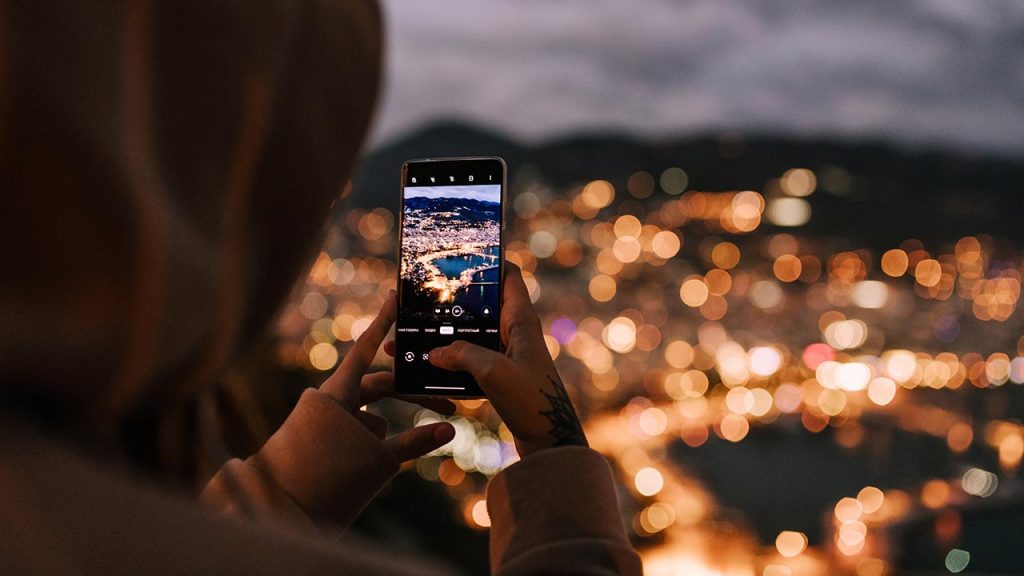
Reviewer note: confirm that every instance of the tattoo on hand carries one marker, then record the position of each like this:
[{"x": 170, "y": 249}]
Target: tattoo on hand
[{"x": 565, "y": 425}]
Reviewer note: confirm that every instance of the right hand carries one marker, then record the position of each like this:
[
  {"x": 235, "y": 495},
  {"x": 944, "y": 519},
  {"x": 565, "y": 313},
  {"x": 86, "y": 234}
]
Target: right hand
[{"x": 522, "y": 384}]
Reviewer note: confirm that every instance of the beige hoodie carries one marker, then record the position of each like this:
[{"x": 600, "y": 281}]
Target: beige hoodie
[{"x": 165, "y": 167}]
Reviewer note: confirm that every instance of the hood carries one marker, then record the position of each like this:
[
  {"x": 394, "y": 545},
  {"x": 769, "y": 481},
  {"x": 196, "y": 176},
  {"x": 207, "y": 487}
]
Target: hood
[{"x": 166, "y": 170}]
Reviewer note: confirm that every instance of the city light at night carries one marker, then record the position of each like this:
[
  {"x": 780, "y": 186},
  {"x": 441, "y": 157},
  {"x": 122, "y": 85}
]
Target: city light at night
[{"x": 683, "y": 318}]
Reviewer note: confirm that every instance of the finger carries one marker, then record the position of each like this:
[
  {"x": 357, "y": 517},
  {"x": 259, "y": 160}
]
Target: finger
[
  {"x": 375, "y": 386},
  {"x": 389, "y": 348},
  {"x": 343, "y": 384},
  {"x": 376, "y": 424},
  {"x": 514, "y": 289},
  {"x": 492, "y": 370},
  {"x": 420, "y": 440},
  {"x": 382, "y": 385},
  {"x": 520, "y": 326}
]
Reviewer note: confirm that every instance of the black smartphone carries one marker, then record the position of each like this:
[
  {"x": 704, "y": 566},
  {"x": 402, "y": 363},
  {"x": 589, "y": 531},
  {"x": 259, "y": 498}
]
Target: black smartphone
[{"x": 451, "y": 266}]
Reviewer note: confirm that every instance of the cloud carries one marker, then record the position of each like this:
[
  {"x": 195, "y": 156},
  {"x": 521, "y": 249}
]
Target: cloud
[
  {"x": 484, "y": 192},
  {"x": 936, "y": 72}
]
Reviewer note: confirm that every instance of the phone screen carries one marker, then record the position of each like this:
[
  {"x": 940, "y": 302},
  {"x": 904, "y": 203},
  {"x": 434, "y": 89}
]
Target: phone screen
[{"x": 451, "y": 265}]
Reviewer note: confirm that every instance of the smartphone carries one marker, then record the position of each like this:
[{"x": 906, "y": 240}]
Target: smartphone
[{"x": 451, "y": 267}]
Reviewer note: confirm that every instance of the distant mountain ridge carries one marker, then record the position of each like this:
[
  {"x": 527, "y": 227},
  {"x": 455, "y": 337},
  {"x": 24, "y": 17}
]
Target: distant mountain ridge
[
  {"x": 469, "y": 209},
  {"x": 893, "y": 193},
  {"x": 449, "y": 200}
]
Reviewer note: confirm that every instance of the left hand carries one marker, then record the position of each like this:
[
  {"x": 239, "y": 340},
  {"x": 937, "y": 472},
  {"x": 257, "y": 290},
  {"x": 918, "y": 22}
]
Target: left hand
[{"x": 351, "y": 387}]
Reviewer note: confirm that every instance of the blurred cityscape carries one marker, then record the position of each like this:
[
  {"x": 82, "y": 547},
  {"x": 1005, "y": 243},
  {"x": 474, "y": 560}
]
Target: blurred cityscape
[{"x": 801, "y": 358}]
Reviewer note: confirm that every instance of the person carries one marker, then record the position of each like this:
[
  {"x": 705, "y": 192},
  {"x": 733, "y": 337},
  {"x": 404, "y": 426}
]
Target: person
[{"x": 165, "y": 165}]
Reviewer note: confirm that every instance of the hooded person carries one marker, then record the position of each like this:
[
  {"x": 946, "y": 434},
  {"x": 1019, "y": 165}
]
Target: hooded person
[{"x": 166, "y": 168}]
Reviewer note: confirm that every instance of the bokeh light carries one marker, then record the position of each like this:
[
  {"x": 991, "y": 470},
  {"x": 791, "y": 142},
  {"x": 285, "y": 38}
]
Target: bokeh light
[
  {"x": 648, "y": 481},
  {"x": 791, "y": 543},
  {"x": 687, "y": 320}
]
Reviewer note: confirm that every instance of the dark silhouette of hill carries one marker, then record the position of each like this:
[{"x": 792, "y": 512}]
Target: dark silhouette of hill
[
  {"x": 469, "y": 210},
  {"x": 887, "y": 193}
]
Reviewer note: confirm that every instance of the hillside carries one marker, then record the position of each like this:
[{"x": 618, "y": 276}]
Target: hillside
[{"x": 882, "y": 196}]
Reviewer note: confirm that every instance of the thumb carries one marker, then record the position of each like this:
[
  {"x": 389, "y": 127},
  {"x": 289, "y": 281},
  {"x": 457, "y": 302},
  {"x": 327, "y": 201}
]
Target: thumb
[
  {"x": 482, "y": 363},
  {"x": 520, "y": 327},
  {"x": 420, "y": 440}
]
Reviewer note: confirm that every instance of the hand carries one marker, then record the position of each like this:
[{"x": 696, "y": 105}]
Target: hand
[
  {"x": 351, "y": 387},
  {"x": 522, "y": 383}
]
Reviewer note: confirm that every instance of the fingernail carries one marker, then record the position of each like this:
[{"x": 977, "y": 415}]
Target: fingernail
[
  {"x": 438, "y": 352},
  {"x": 444, "y": 434}
]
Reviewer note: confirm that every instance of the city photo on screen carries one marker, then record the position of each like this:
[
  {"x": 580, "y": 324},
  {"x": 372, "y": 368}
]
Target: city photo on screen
[{"x": 450, "y": 257}]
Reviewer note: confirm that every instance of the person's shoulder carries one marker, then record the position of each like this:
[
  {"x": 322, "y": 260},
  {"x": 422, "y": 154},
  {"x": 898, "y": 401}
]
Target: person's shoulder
[{"x": 65, "y": 511}]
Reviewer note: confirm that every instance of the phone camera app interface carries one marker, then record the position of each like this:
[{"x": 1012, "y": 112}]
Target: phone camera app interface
[{"x": 450, "y": 269}]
